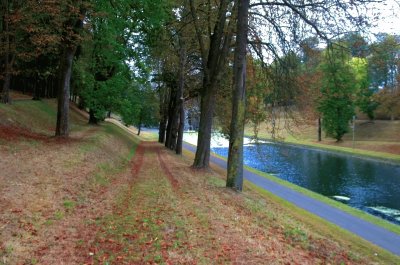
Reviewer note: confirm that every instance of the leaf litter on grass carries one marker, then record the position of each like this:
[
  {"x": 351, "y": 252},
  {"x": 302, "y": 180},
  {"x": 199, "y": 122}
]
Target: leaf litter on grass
[{"x": 171, "y": 214}]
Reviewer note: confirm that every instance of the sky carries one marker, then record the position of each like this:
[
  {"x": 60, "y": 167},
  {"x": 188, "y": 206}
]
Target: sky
[{"x": 389, "y": 18}]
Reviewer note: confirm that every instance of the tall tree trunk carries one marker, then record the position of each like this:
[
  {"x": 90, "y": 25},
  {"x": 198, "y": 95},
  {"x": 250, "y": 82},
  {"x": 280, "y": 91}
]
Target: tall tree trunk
[
  {"x": 179, "y": 142},
  {"x": 207, "y": 104},
  {"x": 62, "y": 128},
  {"x": 168, "y": 131},
  {"x": 36, "y": 89},
  {"x": 64, "y": 90},
  {"x": 235, "y": 156},
  {"x": 92, "y": 118},
  {"x": 173, "y": 119},
  {"x": 213, "y": 64},
  {"x": 5, "y": 97},
  {"x": 179, "y": 97},
  {"x": 140, "y": 122},
  {"x": 173, "y": 135},
  {"x": 161, "y": 129},
  {"x": 163, "y": 112},
  {"x": 319, "y": 130}
]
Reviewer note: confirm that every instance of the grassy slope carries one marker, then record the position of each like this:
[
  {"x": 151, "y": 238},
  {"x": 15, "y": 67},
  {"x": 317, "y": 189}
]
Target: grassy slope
[
  {"x": 380, "y": 139},
  {"x": 88, "y": 205},
  {"x": 53, "y": 189}
]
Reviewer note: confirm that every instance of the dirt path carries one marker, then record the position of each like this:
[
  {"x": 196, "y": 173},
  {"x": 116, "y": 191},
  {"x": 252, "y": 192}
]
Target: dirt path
[{"x": 170, "y": 214}]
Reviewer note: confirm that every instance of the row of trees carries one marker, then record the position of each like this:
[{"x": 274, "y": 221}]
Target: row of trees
[
  {"x": 273, "y": 33},
  {"x": 331, "y": 84},
  {"x": 145, "y": 59},
  {"x": 352, "y": 75},
  {"x": 105, "y": 41}
]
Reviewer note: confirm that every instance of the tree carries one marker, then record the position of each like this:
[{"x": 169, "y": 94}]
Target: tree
[
  {"x": 179, "y": 68},
  {"x": 39, "y": 54},
  {"x": 384, "y": 65},
  {"x": 357, "y": 44},
  {"x": 114, "y": 56},
  {"x": 310, "y": 82},
  {"x": 139, "y": 106},
  {"x": 255, "y": 94},
  {"x": 7, "y": 45},
  {"x": 364, "y": 99},
  {"x": 9, "y": 21},
  {"x": 384, "y": 60},
  {"x": 71, "y": 26},
  {"x": 389, "y": 103},
  {"x": 213, "y": 52},
  {"x": 337, "y": 93},
  {"x": 103, "y": 73},
  {"x": 180, "y": 99},
  {"x": 235, "y": 156}
]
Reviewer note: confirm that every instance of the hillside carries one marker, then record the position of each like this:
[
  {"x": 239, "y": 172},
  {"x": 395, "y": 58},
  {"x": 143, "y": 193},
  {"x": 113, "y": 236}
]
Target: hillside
[
  {"x": 106, "y": 197},
  {"x": 378, "y": 136}
]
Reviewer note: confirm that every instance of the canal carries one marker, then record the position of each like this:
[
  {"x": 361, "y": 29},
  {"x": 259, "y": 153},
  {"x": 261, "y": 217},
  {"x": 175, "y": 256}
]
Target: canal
[{"x": 366, "y": 184}]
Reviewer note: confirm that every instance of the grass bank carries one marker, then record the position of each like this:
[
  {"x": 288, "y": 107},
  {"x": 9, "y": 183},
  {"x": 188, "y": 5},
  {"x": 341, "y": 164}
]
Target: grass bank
[{"x": 378, "y": 140}]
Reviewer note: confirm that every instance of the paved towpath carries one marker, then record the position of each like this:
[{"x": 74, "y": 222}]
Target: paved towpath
[{"x": 373, "y": 233}]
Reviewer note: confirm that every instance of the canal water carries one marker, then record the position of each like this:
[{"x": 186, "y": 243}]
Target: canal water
[{"x": 366, "y": 184}]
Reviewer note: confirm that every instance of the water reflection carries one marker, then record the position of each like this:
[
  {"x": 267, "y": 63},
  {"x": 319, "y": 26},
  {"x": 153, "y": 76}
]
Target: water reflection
[{"x": 371, "y": 186}]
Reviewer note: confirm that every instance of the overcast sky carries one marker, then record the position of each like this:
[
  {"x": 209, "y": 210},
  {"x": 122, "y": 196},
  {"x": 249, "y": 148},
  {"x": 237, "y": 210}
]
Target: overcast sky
[{"x": 389, "y": 18}]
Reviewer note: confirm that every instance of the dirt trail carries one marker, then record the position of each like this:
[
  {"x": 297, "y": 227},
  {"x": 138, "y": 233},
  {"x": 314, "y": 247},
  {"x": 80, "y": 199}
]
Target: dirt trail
[{"x": 174, "y": 215}]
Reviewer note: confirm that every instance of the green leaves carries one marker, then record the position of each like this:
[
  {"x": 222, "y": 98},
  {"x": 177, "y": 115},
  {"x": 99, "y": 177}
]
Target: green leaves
[
  {"x": 112, "y": 72},
  {"x": 338, "y": 88}
]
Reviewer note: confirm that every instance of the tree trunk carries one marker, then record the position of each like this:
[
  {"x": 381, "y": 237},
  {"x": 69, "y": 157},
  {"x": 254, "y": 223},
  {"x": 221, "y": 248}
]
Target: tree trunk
[
  {"x": 140, "y": 122},
  {"x": 213, "y": 64},
  {"x": 161, "y": 130},
  {"x": 172, "y": 126},
  {"x": 235, "y": 157},
  {"x": 319, "y": 130},
  {"x": 62, "y": 128},
  {"x": 5, "y": 96},
  {"x": 179, "y": 97},
  {"x": 181, "y": 129},
  {"x": 202, "y": 157},
  {"x": 36, "y": 90},
  {"x": 173, "y": 136},
  {"x": 92, "y": 118},
  {"x": 169, "y": 125},
  {"x": 163, "y": 113}
]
